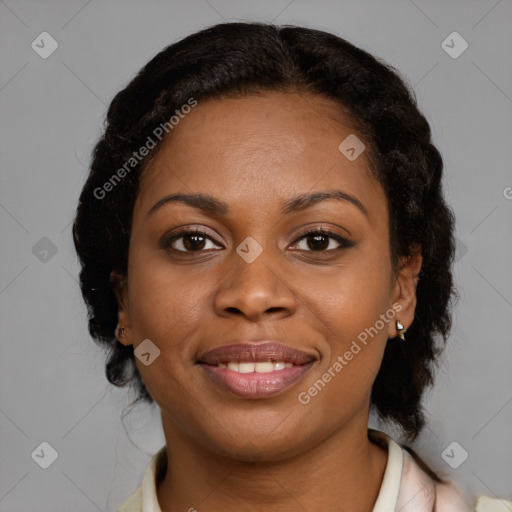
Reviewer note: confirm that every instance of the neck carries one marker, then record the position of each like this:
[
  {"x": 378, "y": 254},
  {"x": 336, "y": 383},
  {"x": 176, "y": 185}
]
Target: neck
[{"x": 343, "y": 472}]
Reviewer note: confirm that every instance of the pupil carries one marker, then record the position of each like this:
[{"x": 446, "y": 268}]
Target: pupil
[
  {"x": 195, "y": 244},
  {"x": 318, "y": 238}
]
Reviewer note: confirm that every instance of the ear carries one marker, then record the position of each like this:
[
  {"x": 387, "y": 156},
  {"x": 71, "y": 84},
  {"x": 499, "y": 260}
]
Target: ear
[
  {"x": 119, "y": 284},
  {"x": 404, "y": 290}
]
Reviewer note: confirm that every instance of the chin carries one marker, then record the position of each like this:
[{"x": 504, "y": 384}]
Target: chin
[{"x": 258, "y": 441}]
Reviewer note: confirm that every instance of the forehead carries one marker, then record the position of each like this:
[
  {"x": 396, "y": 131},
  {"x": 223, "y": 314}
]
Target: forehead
[{"x": 275, "y": 145}]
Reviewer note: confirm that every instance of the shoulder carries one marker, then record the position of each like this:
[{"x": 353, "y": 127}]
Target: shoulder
[
  {"x": 419, "y": 491},
  {"x": 486, "y": 504},
  {"x": 449, "y": 498},
  {"x": 133, "y": 503},
  {"x": 145, "y": 499}
]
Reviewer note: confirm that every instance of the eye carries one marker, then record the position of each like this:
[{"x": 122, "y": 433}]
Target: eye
[
  {"x": 188, "y": 241},
  {"x": 319, "y": 240}
]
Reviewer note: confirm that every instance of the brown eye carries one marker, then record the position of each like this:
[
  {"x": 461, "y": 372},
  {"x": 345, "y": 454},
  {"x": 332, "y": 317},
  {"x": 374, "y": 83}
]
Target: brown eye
[
  {"x": 188, "y": 241},
  {"x": 321, "y": 240}
]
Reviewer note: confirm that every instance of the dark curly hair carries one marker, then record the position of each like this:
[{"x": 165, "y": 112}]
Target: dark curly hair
[{"x": 238, "y": 59}]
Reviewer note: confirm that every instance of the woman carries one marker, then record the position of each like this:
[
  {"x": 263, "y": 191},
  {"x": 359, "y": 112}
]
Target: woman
[{"x": 262, "y": 224}]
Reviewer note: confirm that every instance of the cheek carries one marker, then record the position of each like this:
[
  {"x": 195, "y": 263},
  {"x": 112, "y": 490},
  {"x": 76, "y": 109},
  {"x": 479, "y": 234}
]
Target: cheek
[
  {"x": 167, "y": 306},
  {"x": 163, "y": 304},
  {"x": 352, "y": 296},
  {"x": 350, "y": 303},
  {"x": 161, "y": 296}
]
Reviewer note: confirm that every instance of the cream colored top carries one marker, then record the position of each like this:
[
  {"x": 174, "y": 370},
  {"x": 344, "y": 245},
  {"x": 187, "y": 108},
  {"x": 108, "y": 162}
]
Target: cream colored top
[{"x": 405, "y": 488}]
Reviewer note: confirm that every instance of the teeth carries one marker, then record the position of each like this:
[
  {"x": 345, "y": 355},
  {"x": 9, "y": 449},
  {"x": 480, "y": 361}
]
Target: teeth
[
  {"x": 246, "y": 367},
  {"x": 263, "y": 367}
]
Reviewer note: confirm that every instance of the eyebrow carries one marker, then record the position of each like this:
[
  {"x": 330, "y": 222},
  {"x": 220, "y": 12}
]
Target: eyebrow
[{"x": 214, "y": 206}]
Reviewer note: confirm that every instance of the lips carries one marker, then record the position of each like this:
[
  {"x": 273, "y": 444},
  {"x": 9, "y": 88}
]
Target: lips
[
  {"x": 248, "y": 353},
  {"x": 255, "y": 370}
]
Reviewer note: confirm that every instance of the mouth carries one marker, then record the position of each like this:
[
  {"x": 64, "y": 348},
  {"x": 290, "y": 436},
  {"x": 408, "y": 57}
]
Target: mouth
[{"x": 255, "y": 371}]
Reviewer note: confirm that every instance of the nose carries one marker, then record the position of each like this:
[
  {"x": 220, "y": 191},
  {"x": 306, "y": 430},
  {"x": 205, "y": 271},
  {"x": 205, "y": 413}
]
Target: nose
[{"x": 255, "y": 290}]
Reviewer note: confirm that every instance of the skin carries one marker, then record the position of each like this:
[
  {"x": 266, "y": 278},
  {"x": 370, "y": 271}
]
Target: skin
[{"x": 226, "y": 452}]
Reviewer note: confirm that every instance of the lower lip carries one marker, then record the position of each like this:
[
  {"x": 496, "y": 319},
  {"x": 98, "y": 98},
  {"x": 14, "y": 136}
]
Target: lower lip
[{"x": 256, "y": 385}]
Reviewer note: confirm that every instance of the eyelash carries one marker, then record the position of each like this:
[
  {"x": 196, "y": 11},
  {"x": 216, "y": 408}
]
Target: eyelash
[{"x": 344, "y": 243}]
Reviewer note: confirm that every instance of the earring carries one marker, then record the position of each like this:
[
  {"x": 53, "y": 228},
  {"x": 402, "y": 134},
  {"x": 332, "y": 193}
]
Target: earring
[
  {"x": 120, "y": 332},
  {"x": 401, "y": 330}
]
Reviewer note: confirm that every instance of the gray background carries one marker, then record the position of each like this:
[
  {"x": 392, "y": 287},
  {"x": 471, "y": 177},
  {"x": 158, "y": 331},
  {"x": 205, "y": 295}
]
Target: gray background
[{"x": 53, "y": 387}]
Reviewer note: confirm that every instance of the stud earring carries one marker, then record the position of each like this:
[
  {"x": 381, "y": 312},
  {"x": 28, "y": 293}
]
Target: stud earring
[{"x": 401, "y": 330}]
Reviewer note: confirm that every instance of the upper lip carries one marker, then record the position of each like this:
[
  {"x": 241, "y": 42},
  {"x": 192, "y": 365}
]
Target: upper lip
[{"x": 253, "y": 353}]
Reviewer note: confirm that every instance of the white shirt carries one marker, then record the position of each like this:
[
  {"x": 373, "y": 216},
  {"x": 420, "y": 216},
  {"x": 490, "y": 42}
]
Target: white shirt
[{"x": 405, "y": 488}]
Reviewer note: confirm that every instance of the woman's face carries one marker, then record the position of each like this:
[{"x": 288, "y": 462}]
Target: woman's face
[{"x": 257, "y": 275}]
